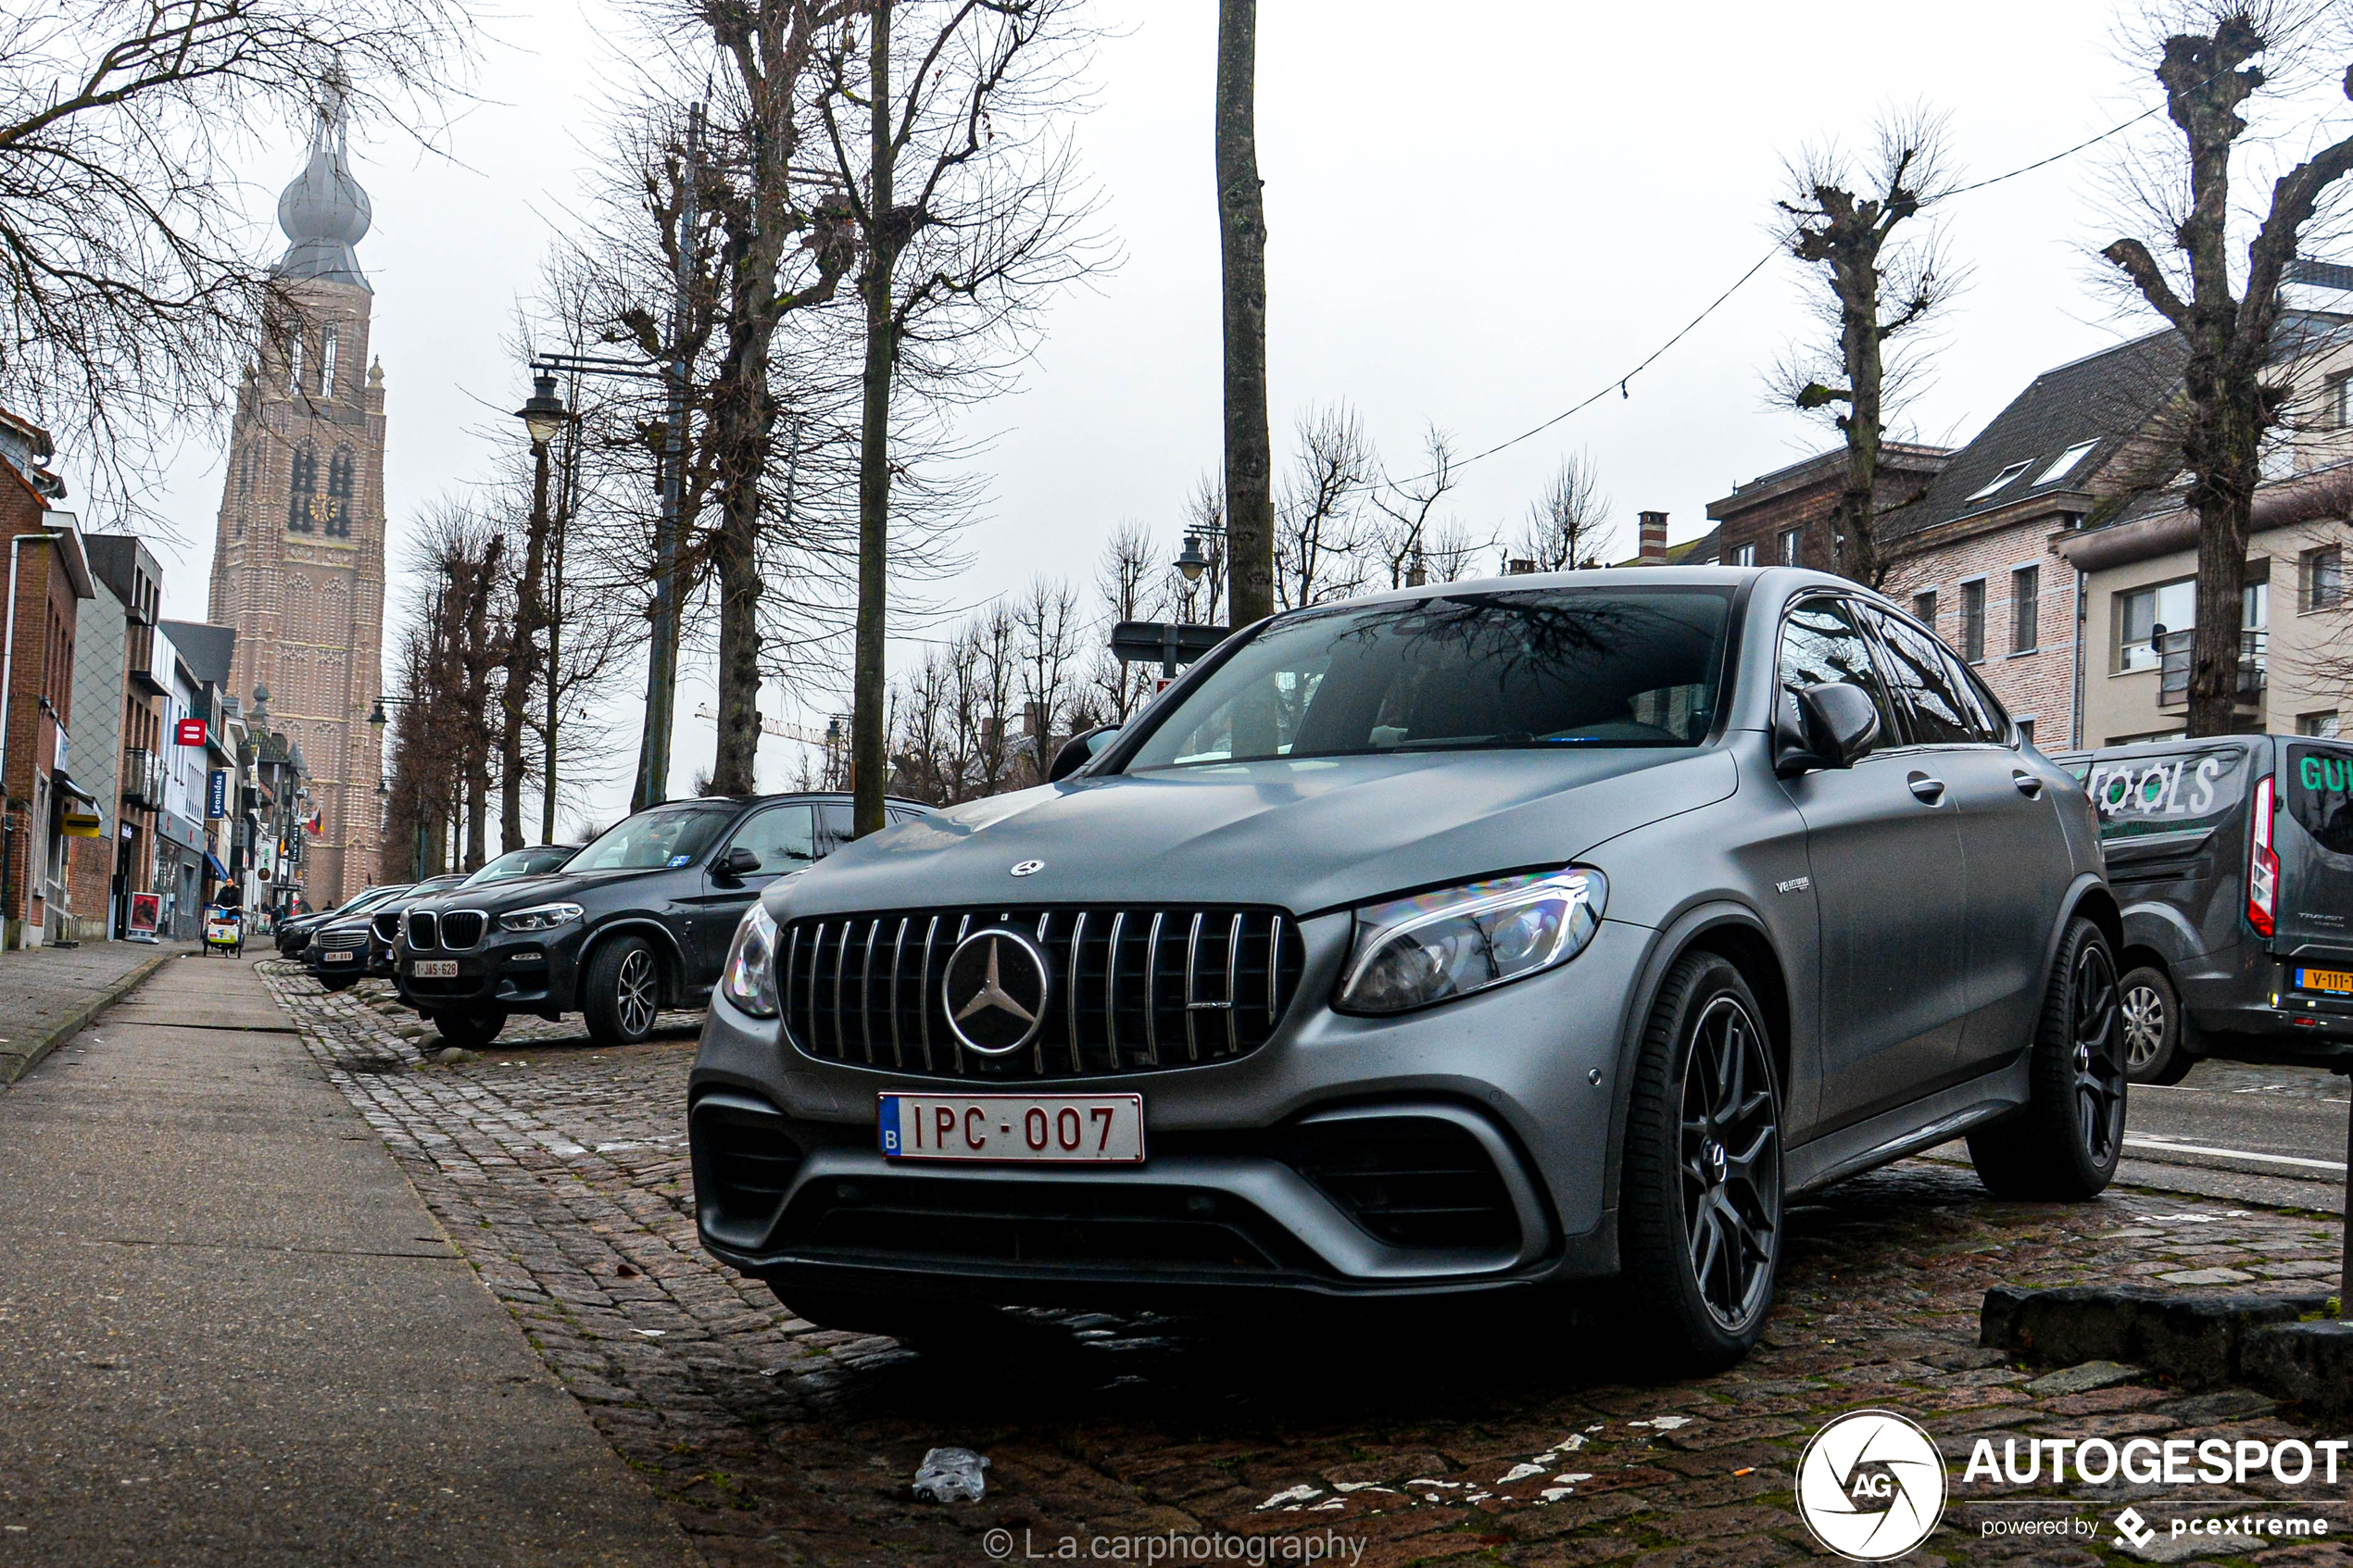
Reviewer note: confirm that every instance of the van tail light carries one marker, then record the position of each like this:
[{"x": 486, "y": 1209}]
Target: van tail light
[{"x": 2263, "y": 867}]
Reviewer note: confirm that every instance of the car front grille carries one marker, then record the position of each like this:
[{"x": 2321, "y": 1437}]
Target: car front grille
[
  {"x": 1130, "y": 989},
  {"x": 387, "y": 928},
  {"x": 462, "y": 929},
  {"x": 1072, "y": 1225},
  {"x": 424, "y": 931}
]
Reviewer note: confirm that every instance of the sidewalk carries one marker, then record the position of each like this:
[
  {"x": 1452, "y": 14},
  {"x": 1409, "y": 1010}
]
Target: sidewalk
[
  {"x": 230, "y": 1334},
  {"x": 47, "y": 993}
]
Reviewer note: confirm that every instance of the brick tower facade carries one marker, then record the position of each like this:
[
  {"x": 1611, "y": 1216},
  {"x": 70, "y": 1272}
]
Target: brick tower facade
[{"x": 298, "y": 556}]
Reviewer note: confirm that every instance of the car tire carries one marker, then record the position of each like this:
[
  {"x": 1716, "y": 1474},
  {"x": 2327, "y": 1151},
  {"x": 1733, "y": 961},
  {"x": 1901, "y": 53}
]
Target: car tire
[
  {"x": 472, "y": 1030},
  {"x": 621, "y": 991},
  {"x": 2063, "y": 1144},
  {"x": 337, "y": 982},
  {"x": 1700, "y": 1203},
  {"x": 2157, "y": 1032}
]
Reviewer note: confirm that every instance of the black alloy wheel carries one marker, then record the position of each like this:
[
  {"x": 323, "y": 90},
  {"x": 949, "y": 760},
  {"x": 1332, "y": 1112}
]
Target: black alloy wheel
[
  {"x": 1701, "y": 1195},
  {"x": 621, "y": 991},
  {"x": 2063, "y": 1144}
]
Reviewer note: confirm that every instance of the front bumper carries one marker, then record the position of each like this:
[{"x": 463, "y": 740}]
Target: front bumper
[
  {"x": 1464, "y": 1148},
  {"x": 513, "y": 971}
]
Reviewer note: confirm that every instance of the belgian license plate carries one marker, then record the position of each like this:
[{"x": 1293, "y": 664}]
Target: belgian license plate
[
  {"x": 2323, "y": 979},
  {"x": 338, "y": 956},
  {"x": 1051, "y": 1129},
  {"x": 433, "y": 969}
]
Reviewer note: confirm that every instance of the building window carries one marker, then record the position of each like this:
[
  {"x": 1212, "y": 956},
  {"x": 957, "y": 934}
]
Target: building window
[
  {"x": 1745, "y": 555},
  {"x": 2340, "y": 401},
  {"x": 2140, "y": 613},
  {"x": 2064, "y": 464},
  {"x": 2026, "y": 609},
  {"x": 294, "y": 365},
  {"x": 1789, "y": 547},
  {"x": 2321, "y": 576},
  {"x": 302, "y": 489},
  {"x": 1973, "y": 621},
  {"x": 2316, "y": 724},
  {"x": 340, "y": 473},
  {"x": 1924, "y": 608},
  {"x": 1998, "y": 481},
  {"x": 327, "y": 363}
]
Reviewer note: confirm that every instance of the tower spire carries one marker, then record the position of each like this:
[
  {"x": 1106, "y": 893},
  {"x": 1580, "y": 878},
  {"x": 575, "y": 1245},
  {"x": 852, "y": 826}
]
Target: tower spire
[{"x": 324, "y": 213}]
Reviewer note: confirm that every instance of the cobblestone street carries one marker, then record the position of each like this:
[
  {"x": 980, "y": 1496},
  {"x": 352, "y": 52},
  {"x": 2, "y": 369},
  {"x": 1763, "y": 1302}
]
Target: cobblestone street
[{"x": 560, "y": 1171}]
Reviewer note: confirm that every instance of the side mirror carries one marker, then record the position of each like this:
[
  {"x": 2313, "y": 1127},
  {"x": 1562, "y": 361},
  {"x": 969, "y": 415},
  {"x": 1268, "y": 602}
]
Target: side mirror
[
  {"x": 1837, "y": 725},
  {"x": 737, "y": 862},
  {"x": 1079, "y": 750}
]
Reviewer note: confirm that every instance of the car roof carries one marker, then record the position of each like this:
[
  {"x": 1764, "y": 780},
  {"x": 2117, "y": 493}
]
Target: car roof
[{"x": 746, "y": 801}]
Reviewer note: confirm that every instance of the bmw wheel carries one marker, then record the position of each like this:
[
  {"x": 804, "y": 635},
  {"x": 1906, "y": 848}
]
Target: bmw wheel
[
  {"x": 1702, "y": 1197},
  {"x": 621, "y": 992},
  {"x": 2063, "y": 1144}
]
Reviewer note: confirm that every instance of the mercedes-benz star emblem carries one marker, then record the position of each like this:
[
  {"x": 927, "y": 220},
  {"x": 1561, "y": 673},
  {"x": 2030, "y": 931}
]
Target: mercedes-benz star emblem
[
  {"x": 995, "y": 991},
  {"x": 1029, "y": 868}
]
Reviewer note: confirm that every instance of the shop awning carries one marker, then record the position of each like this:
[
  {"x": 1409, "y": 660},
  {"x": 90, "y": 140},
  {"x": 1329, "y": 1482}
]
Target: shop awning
[
  {"x": 64, "y": 781},
  {"x": 213, "y": 866}
]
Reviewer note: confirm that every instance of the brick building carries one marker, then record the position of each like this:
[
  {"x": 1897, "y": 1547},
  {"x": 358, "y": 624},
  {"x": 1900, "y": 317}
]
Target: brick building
[
  {"x": 49, "y": 578},
  {"x": 117, "y": 731},
  {"x": 298, "y": 552},
  {"x": 1783, "y": 518}
]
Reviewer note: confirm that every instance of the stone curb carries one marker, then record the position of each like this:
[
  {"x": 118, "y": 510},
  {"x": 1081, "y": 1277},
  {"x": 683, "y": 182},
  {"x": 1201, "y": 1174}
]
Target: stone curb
[
  {"x": 2199, "y": 1341},
  {"x": 14, "y": 1066}
]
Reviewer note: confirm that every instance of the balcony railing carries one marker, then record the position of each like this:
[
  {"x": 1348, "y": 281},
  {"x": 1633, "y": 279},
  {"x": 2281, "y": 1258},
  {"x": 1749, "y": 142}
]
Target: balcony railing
[
  {"x": 2174, "y": 667},
  {"x": 142, "y": 779}
]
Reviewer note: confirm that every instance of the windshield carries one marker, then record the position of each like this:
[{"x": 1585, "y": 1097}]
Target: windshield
[
  {"x": 1579, "y": 668},
  {"x": 536, "y": 860},
  {"x": 667, "y": 836},
  {"x": 368, "y": 901}
]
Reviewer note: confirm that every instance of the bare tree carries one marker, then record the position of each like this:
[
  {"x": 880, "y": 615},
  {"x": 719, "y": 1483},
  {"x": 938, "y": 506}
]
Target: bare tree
[
  {"x": 1047, "y": 627},
  {"x": 129, "y": 286},
  {"x": 1407, "y": 533},
  {"x": 2229, "y": 316},
  {"x": 1884, "y": 277},
  {"x": 1567, "y": 527},
  {"x": 1130, "y": 584},
  {"x": 1318, "y": 544},
  {"x": 1241, "y": 229},
  {"x": 1200, "y": 601},
  {"x": 446, "y": 742},
  {"x": 965, "y": 209}
]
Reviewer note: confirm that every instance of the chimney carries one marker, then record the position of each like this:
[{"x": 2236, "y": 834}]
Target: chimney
[
  {"x": 1653, "y": 534},
  {"x": 1518, "y": 566}
]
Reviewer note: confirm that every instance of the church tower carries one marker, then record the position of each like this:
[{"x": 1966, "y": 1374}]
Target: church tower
[{"x": 298, "y": 557}]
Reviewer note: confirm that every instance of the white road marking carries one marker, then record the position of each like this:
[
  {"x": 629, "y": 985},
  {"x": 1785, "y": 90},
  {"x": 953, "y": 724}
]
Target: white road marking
[
  {"x": 2258, "y": 1089},
  {"x": 2136, "y": 1140}
]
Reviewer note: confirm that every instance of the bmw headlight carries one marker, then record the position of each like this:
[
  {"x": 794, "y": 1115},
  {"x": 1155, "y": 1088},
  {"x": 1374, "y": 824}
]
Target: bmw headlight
[
  {"x": 539, "y": 917},
  {"x": 749, "y": 979},
  {"x": 1410, "y": 952}
]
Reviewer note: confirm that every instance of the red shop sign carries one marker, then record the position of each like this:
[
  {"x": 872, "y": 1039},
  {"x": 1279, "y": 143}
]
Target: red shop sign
[{"x": 190, "y": 732}]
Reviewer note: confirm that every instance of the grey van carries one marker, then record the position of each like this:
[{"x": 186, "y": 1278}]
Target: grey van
[{"x": 2233, "y": 857}]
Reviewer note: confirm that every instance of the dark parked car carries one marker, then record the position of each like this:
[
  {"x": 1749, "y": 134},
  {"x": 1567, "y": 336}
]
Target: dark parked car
[
  {"x": 336, "y": 951},
  {"x": 2234, "y": 860},
  {"x": 384, "y": 922},
  {"x": 637, "y": 921},
  {"x": 1483, "y": 937},
  {"x": 294, "y": 935}
]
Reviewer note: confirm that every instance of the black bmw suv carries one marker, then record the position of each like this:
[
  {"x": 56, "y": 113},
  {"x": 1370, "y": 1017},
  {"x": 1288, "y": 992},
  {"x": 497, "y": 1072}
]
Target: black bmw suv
[{"x": 638, "y": 921}]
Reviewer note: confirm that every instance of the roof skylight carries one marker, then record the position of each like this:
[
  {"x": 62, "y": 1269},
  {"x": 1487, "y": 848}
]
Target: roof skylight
[
  {"x": 1999, "y": 479},
  {"x": 2064, "y": 464}
]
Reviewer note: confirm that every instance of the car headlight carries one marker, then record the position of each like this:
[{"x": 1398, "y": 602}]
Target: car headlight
[
  {"x": 749, "y": 979},
  {"x": 539, "y": 917},
  {"x": 1410, "y": 952}
]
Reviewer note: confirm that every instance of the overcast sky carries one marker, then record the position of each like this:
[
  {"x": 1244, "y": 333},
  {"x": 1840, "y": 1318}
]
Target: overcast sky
[{"x": 1478, "y": 216}]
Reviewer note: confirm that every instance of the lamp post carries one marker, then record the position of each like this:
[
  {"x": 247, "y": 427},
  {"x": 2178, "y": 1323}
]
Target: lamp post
[
  {"x": 376, "y": 721},
  {"x": 544, "y": 416},
  {"x": 1193, "y": 560}
]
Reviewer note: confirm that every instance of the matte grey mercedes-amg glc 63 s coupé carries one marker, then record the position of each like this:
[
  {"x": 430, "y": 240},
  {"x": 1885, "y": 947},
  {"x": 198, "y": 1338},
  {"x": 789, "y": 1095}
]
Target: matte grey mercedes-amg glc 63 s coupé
[{"x": 1478, "y": 938}]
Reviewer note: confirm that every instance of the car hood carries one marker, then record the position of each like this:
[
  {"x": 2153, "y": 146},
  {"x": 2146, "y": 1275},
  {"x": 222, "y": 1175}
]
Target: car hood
[
  {"x": 547, "y": 887},
  {"x": 1306, "y": 835}
]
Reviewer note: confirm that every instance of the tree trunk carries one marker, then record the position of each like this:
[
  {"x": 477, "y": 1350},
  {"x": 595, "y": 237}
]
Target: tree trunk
[
  {"x": 736, "y": 558},
  {"x": 868, "y": 745},
  {"x": 522, "y": 661},
  {"x": 2223, "y": 450},
  {"x": 1241, "y": 224}
]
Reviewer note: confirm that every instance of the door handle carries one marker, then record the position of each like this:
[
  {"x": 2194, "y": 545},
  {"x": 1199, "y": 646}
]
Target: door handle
[
  {"x": 2028, "y": 785},
  {"x": 1926, "y": 791}
]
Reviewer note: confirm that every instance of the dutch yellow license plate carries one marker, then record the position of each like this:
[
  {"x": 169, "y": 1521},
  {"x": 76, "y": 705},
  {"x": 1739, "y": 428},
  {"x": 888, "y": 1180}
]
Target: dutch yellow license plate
[{"x": 2324, "y": 979}]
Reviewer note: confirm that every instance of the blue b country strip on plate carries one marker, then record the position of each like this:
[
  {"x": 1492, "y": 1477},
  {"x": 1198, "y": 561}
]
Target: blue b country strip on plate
[{"x": 1050, "y": 1129}]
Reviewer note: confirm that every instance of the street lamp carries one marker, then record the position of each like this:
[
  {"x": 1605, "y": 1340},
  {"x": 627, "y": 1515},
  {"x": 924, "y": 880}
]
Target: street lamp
[
  {"x": 543, "y": 414},
  {"x": 1192, "y": 561}
]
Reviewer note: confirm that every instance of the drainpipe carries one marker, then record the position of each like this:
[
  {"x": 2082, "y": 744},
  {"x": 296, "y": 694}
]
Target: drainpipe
[
  {"x": 2082, "y": 607},
  {"x": 8, "y": 672}
]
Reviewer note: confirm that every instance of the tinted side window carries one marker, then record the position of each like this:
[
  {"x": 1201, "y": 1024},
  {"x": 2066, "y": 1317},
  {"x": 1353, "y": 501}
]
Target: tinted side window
[
  {"x": 1986, "y": 720},
  {"x": 785, "y": 837},
  {"x": 2319, "y": 791},
  {"x": 1919, "y": 669},
  {"x": 1821, "y": 643},
  {"x": 835, "y": 826}
]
